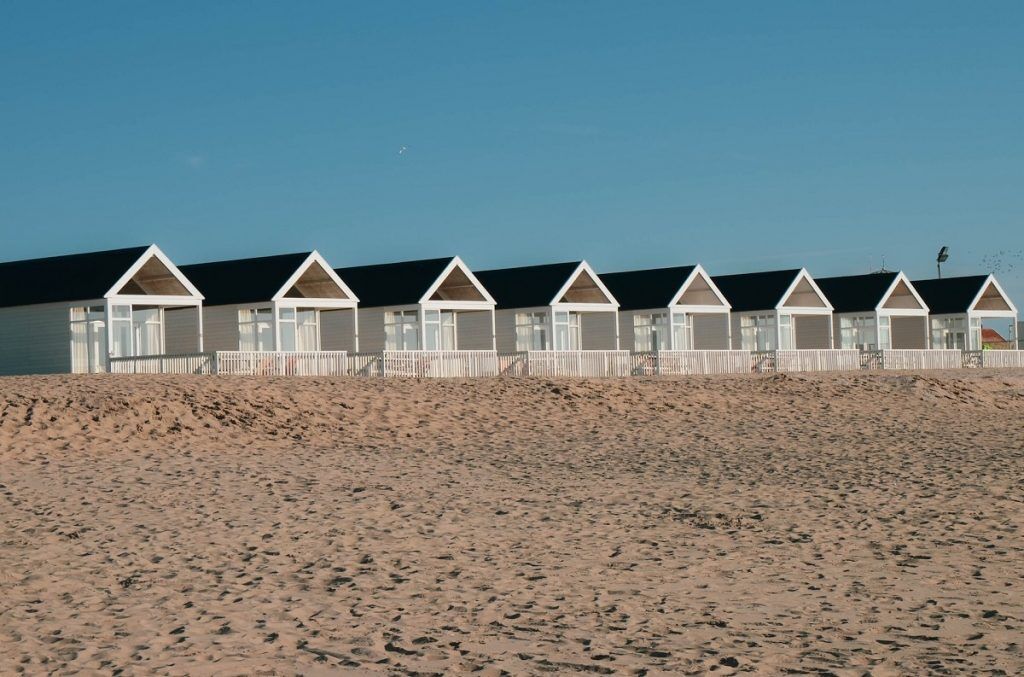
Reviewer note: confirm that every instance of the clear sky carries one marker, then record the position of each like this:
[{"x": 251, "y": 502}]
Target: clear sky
[{"x": 742, "y": 135}]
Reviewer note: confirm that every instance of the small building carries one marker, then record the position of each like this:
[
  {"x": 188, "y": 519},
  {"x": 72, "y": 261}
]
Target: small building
[
  {"x": 960, "y": 306},
  {"x": 553, "y": 307},
  {"x": 777, "y": 310},
  {"x": 876, "y": 311},
  {"x": 71, "y": 314},
  {"x": 677, "y": 308},
  {"x": 283, "y": 303},
  {"x": 430, "y": 304}
]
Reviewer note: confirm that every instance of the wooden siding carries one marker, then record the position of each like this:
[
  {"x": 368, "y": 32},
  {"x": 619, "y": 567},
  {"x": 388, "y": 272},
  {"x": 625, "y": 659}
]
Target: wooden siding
[
  {"x": 35, "y": 339},
  {"x": 737, "y": 338},
  {"x": 371, "y": 329},
  {"x": 181, "y": 331},
  {"x": 505, "y": 329},
  {"x": 474, "y": 330},
  {"x": 598, "y": 331},
  {"x": 627, "y": 333},
  {"x": 710, "y": 331},
  {"x": 909, "y": 332},
  {"x": 220, "y": 327},
  {"x": 811, "y": 331},
  {"x": 337, "y": 330}
]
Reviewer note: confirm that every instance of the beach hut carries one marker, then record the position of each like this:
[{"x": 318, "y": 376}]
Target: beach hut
[
  {"x": 960, "y": 306},
  {"x": 558, "y": 306},
  {"x": 282, "y": 303},
  {"x": 426, "y": 305},
  {"x": 777, "y": 310},
  {"x": 876, "y": 311},
  {"x": 74, "y": 313},
  {"x": 676, "y": 308}
]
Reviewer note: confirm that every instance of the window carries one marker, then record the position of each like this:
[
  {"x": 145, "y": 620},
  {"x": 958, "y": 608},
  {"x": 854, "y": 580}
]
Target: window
[
  {"x": 256, "y": 329},
  {"x": 859, "y": 332},
  {"x": 786, "y": 341},
  {"x": 682, "y": 331},
  {"x": 757, "y": 332},
  {"x": 299, "y": 329},
  {"x": 949, "y": 332},
  {"x": 440, "y": 329},
  {"x": 651, "y": 332},
  {"x": 148, "y": 330},
  {"x": 88, "y": 340},
  {"x": 975, "y": 334},
  {"x": 531, "y": 331},
  {"x": 402, "y": 330},
  {"x": 884, "y": 332},
  {"x": 567, "y": 331},
  {"x": 121, "y": 331}
]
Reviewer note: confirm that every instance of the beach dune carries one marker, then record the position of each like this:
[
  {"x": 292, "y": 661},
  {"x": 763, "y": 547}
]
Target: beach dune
[{"x": 824, "y": 524}]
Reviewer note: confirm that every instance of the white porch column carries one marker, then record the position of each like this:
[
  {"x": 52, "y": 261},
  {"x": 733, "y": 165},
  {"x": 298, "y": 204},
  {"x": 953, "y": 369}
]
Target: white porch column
[
  {"x": 551, "y": 328},
  {"x": 355, "y": 329},
  {"x": 494, "y": 331},
  {"x": 778, "y": 330},
  {"x": 109, "y": 328},
  {"x": 274, "y": 310},
  {"x": 616, "y": 313},
  {"x": 421, "y": 317},
  {"x": 199, "y": 326},
  {"x": 832, "y": 329}
]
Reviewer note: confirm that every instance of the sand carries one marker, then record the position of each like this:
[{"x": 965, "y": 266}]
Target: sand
[{"x": 820, "y": 524}]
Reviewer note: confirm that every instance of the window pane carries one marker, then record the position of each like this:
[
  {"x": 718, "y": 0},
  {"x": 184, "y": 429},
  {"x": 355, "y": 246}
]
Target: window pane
[
  {"x": 287, "y": 313},
  {"x": 121, "y": 312},
  {"x": 287, "y": 330}
]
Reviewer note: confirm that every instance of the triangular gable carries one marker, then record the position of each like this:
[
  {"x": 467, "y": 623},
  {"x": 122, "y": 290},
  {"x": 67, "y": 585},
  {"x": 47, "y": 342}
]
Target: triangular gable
[
  {"x": 992, "y": 297},
  {"x": 457, "y": 283},
  {"x": 699, "y": 290},
  {"x": 584, "y": 286},
  {"x": 804, "y": 293},
  {"x": 153, "y": 274},
  {"x": 315, "y": 279},
  {"x": 902, "y": 296}
]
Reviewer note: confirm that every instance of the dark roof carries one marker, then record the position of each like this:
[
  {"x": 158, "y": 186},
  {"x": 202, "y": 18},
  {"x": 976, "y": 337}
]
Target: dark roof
[
  {"x": 254, "y": 280},
  {"x": 950, "y": 294},
  {"x": 855, "y": 293},
  {"x": 527, "y": 286},
  {"x": 755, "y": 291},
  {"x": 641, "y": 289},
  {"x": 393, "y": 284},
  {"x": 75, "y": 277}
]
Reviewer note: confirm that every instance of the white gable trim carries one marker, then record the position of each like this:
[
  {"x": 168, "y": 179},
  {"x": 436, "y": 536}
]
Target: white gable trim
[
  {"x": 456, "y": 262},
  {"x": 584, "y": 267},
  {"x": 804, "y": 275},
  {"x": 698, "y": 271},
  {"x": 153, "y": 251},
  {"x": 314, "y": 257},
  {"x": 900, "y": 277},
  {"x": 991, "y": 279}
]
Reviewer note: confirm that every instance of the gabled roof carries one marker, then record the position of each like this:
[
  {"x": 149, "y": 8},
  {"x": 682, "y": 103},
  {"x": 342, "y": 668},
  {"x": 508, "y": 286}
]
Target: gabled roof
[
  {"x": 537, "y": 286},
  {"x": 951, "y": 295},
  {"x": 855, "y": 293},
  {"x": 756, "y": 291},
  {"x": 79, "y": 277},
  {"x": 254, "y": 280},
  {"x": 412, "y": 282},
  {"x": 643, "y": 289}
]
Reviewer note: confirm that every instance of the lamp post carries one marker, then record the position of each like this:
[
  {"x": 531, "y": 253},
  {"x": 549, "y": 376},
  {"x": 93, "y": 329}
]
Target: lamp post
[{"x": 940, "y": 259}]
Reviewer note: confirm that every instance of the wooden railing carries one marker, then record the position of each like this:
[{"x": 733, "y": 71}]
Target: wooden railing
[
  {"x": 685, "y": 362},
  {"x": 904, "y": 358},
  {"x": 567, "y": 363},
  {"x": 828, "y": 359},
  {"x": 236, "y": 363},
  {"x": 425, "y": 363},
  {"x": 994, "y": 358}
]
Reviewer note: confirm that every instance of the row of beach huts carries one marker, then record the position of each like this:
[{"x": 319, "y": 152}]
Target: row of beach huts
[{"x": 134, "y": 311}]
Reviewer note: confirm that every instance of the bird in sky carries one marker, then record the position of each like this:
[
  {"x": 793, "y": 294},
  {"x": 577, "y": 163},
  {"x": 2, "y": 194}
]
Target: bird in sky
[{"x": 401, "y": 151}]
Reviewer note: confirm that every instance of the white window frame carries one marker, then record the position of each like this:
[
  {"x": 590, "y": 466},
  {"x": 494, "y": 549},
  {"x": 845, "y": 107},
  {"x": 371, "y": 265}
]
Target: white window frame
[
  {"x": 758, "y": 332},
  {"x": 397, "y": 324},
  {"x": 533, "y": 331},
  {"x": 257, "y": 315},
  {"x": 568, "y": 330}
]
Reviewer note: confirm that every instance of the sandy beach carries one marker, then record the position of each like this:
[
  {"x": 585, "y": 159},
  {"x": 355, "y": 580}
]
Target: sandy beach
[{"x": 821, "y": 524}]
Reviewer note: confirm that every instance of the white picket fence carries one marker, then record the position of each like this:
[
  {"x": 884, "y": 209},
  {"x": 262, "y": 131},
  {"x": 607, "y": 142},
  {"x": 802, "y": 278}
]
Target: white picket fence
[
  {"x": 236, "y": 363},
  {"x": 834, "y": 359},
  {"x": 425, "y": 363},
  {"x": 994, "y": 358},
  {"x": 687, "y": 362},
  {"x": 566, "y": 363},
  {"x": 912, "y": 359}
]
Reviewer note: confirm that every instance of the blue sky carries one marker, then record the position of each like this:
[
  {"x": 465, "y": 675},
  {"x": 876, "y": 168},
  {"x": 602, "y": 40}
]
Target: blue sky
[{"x": 743, "y": 135}]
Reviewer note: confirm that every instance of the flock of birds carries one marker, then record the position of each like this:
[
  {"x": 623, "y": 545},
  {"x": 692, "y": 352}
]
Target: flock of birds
[{"x": 1003, "y": 261}]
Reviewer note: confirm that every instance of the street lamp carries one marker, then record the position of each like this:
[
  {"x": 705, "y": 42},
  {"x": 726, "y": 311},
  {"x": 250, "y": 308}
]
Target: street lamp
[{"x": 940, "y": 259}]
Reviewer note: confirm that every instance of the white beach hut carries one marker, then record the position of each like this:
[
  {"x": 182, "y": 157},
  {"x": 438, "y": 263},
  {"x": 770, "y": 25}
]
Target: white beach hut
[
  {"x": 430, "y": 317},
  {"x": 876, "y": 311},
  {"x": 73, "y": 314},
  {"x": 557, "y": 319}
]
